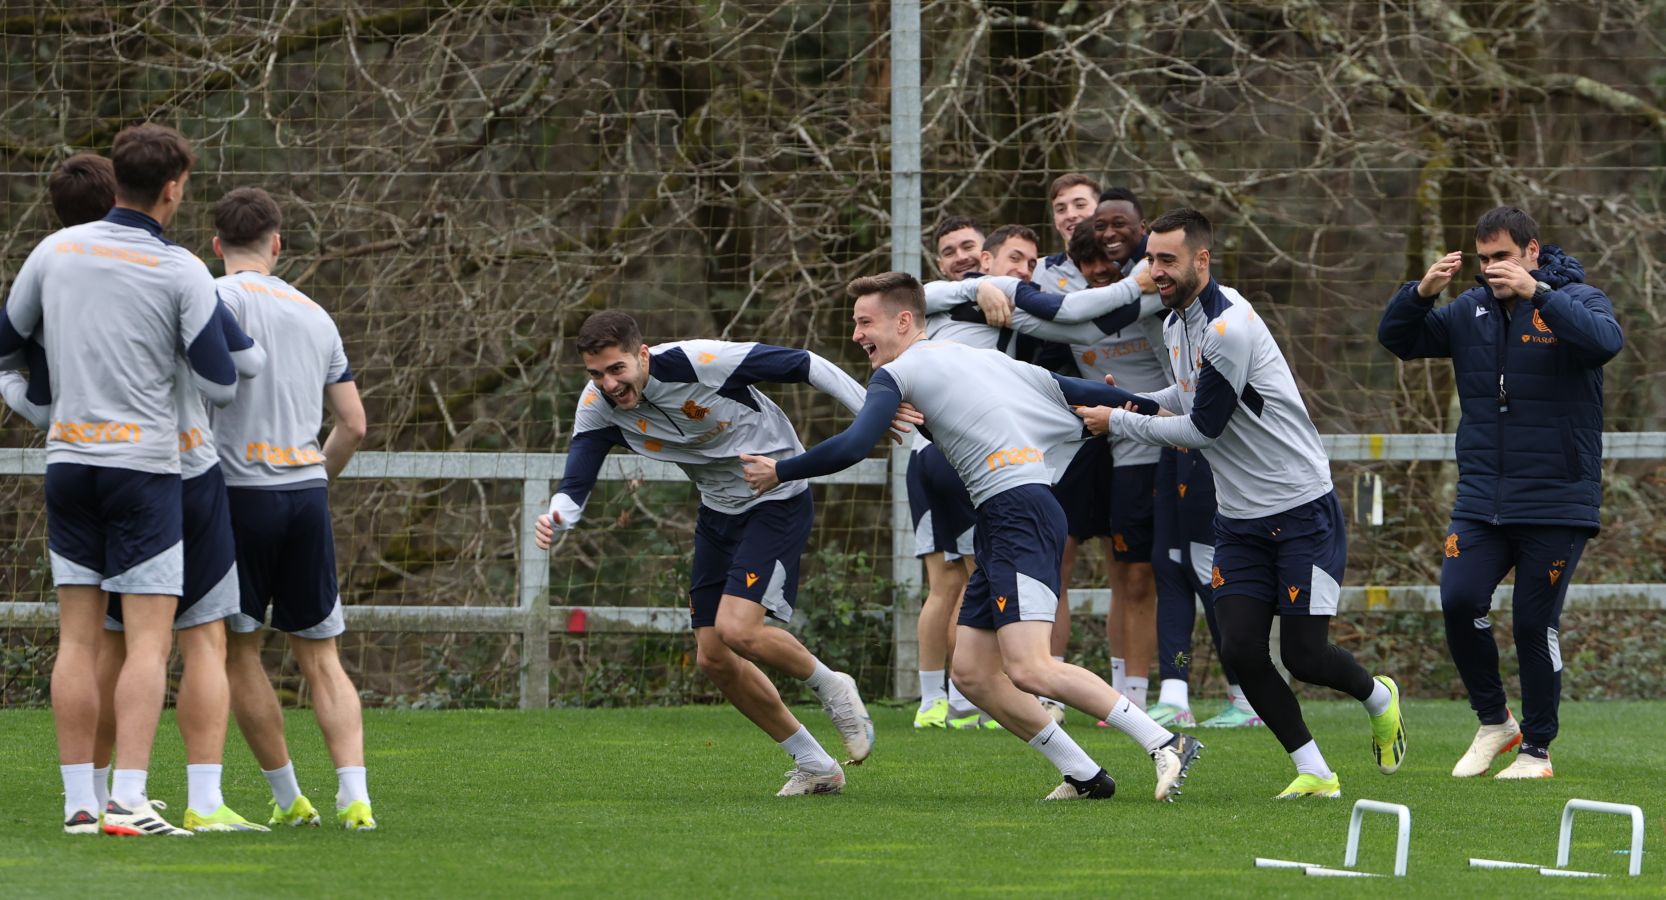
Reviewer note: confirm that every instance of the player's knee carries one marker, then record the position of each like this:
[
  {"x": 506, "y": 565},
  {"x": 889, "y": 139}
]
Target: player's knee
[
  {"x": 968, "y": 677},
  {"x": 1029, "y": 677},
  {"x": 739, "y": 636},
  {"x": 716, "y": 663}
]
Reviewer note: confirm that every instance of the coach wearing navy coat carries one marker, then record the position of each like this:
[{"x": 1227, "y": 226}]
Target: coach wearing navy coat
[{"x": 1527, "y": 349}]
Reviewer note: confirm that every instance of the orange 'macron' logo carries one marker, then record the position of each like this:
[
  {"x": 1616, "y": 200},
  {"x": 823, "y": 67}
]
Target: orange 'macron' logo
[
  {"x": 1294, "y": 592},
  {"x": 751, "y": 578},
  {"x": 1013, "y": 456},
  {"x": 1001, "y": 604}
]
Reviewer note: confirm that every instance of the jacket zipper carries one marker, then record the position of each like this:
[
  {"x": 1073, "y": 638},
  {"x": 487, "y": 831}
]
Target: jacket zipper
[{"x": 1503, "y": 406}]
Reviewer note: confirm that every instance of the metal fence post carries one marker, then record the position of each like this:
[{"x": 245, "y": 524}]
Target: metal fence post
[
  {"x": 534, "y": 567},
  {"x": 905, "y": 257}
]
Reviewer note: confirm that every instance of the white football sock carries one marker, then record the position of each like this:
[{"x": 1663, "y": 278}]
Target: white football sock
[
  {"x": 820, "y": 679},
  {"x": 959, "y": 704},
  {"x": 101, "y": 786},
  {"x": 78, "y": 789},
  {"x": 1132, "y": 721},
  {"x": 350, "y": 786},
  {"x": 1236, "y": 694},
  {"x": 129, "y": 790},
  {"x": 1119, "y": 674},
  {"x": 931, "y": 687},
  {"x": 285, "y": 789},
  {"x": 807, "y": 753},
  {"x": 202, "y": 788},
  {"x": 1309, "y": 761},
  {"x": 1138, "y": 690},
  {"x": 1063, "y": 751},
  {"x": 1174, "y": 692},
  {"x": 1377, "y": 703}
]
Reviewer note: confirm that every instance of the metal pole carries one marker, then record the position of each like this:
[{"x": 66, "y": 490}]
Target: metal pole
[
  {"x": 905, "y": 257},
  {"x": 535, "y": 599}
]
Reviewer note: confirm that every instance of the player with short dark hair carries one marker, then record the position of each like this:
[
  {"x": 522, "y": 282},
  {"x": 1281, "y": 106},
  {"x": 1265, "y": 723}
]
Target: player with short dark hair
[
  {"x": 695, "y": 404},
  {"x": 1007, "y": 429},
  {"x": 277, "y": 477},
  {"x": 1281, "y": 544},
  {"x": 83, "y": 188},
  {"x": 1529, "y": 379},
  {"x": 119, "y": 305}
]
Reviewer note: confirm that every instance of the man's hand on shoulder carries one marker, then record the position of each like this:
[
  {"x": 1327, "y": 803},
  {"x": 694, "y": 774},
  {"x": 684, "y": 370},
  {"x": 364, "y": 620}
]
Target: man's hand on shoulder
[{"x": 996, "y": 305}]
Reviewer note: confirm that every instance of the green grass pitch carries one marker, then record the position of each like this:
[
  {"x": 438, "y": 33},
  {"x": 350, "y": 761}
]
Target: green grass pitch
[{"x": 679, "y": 802}]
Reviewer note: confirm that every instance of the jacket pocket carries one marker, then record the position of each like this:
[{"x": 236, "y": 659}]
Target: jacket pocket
[{"x": 1570, "y": 450}]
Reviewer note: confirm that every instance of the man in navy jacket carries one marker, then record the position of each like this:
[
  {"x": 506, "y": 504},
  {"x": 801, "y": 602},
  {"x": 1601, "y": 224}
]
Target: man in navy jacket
[{"x": 1527, "y": 348}]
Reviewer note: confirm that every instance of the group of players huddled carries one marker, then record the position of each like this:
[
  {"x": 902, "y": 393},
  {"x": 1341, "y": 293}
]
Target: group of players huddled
[
  {"x": 1184, "y": 445},
  {"x": 185, "y": 488}
]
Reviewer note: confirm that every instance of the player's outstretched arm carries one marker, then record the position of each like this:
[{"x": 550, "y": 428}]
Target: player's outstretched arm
[
  {"x": 724, "y": 365},
  {"x": 1090, "y": 304},
  {"x": 839, "y": 452},
  {"x": 593, "y": 437},
  {"x": 347, "y": 411},
  {"x": 1227, "y": 358},
  {"x": 1082, "y": 392}
]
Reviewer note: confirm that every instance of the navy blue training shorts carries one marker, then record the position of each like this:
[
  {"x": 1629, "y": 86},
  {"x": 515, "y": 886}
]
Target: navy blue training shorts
[
  {"x": 286, "y": 561},
  {"x": 1084, "y": 491},
  {"x": 118, "y": 529},
  {"x": 752, "y": 554},
  {"x": 211, "y": 589},
  {"x": 1133, "y": 509},
  {"x": 1020, "y": 544},
  {"x": 1293, "y": 559},
  {"x": 941, "y": 507}
]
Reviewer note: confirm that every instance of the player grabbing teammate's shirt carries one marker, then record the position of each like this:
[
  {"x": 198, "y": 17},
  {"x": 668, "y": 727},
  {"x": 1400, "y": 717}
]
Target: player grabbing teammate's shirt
[
  {"x": 118, "y": 306},
  {"x": 695, "y": 404},
  {"x": 1007, "y": 429},
  {"x": 1280, "y": 545},
  {"x": 277, "y": 481}
]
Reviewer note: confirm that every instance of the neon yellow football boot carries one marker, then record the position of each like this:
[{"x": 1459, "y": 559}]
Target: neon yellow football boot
[
  {"x": 356, "y": 817},
  {"x": 934, "y": 716},
  {"x": 1388, "y": 731},
  {"x": 1312, "y": 786},
  {"x": 299, "y": 813},
  {"x": 222, "y": 819}
]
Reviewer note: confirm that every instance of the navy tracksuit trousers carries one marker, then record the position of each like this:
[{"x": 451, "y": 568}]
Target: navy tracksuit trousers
[{"x": 1478, "y": 556}]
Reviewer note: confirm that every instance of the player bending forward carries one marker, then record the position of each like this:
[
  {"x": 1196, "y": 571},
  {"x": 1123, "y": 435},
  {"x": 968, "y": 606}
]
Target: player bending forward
[
  {"x": 693, "y": 403},
  {"x": 1007, "y": 428}
]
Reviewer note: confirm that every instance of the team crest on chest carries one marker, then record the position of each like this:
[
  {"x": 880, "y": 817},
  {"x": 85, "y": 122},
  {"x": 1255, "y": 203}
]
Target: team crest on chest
[{"x": 694, "y": 410}]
